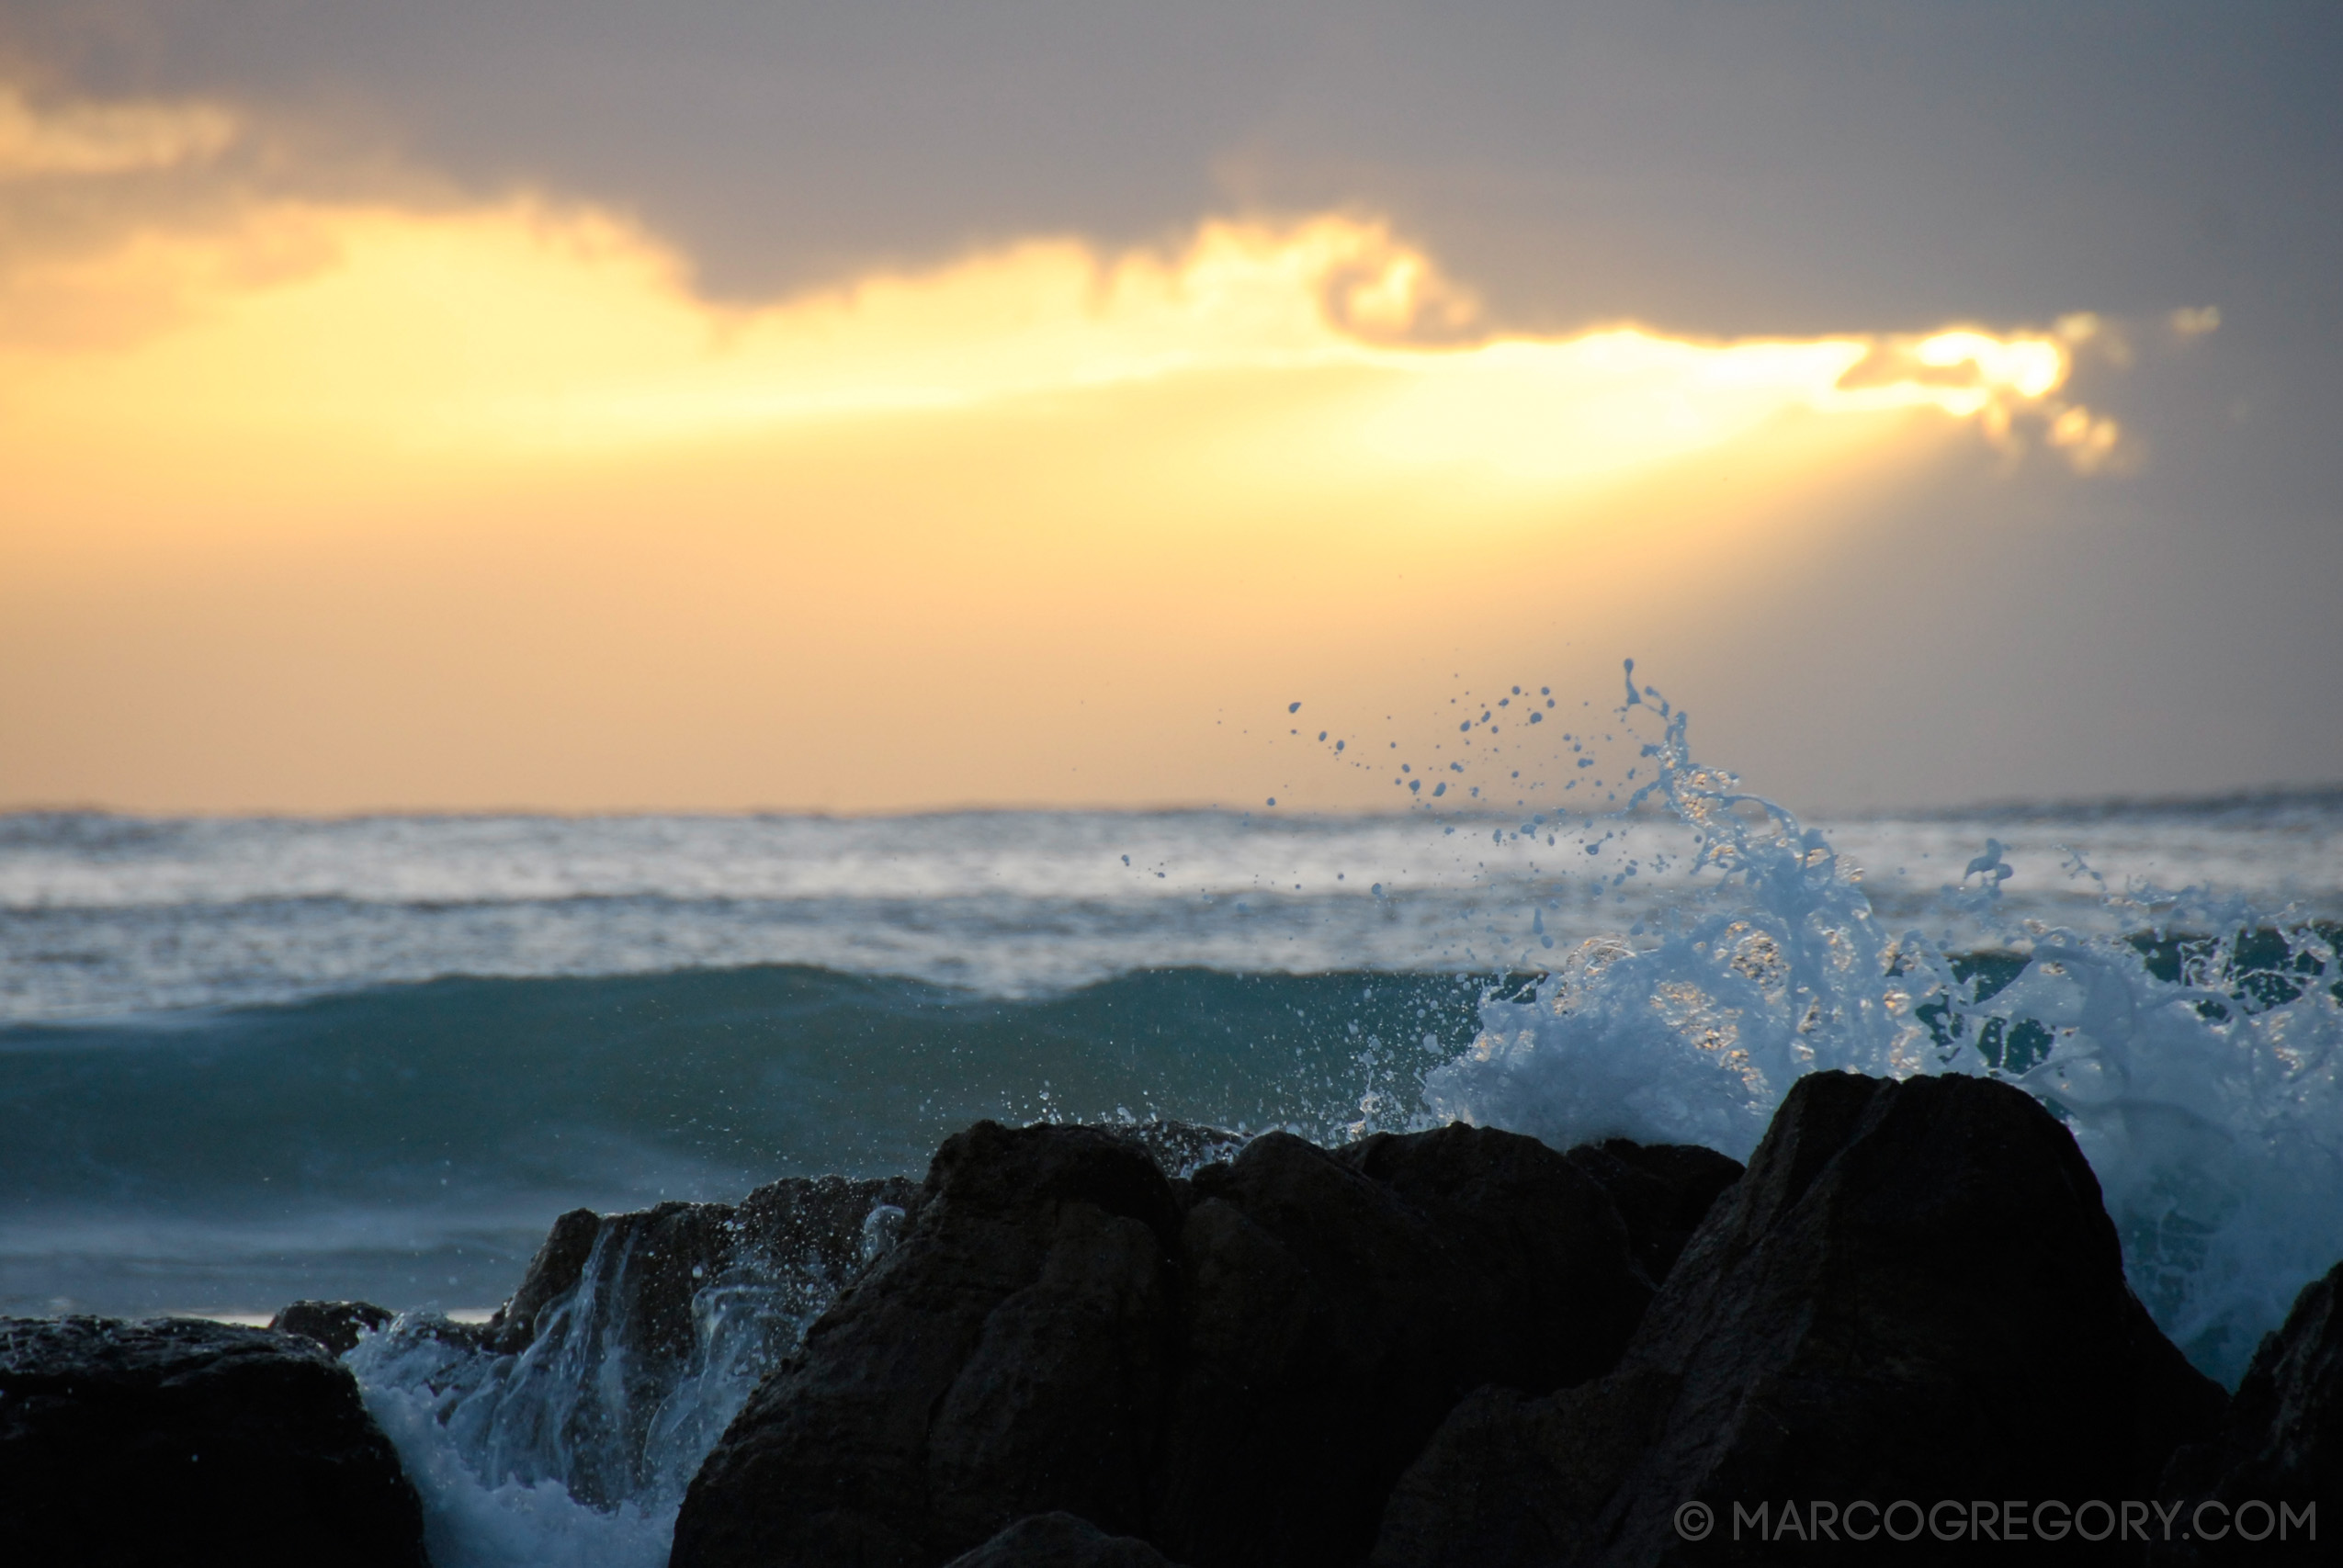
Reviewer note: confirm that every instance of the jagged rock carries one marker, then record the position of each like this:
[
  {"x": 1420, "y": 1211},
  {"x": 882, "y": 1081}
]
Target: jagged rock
[
  {"x": 183, "y": 1441},
  {"x": 1339, "y": 1303},
  {"x": 618, "y": 1293},
  {"x": 1182, "y": 1148},
  {"x": 1009, "y": 1357},
  {"x": 334, "y": 1324},
  {"x": 551, "y": 1274},
  {"x": 660, "y": 1257},
  {"x": 1239, "y": 1382},
  {"x": 1061, "y": 1541},
  {"x": 2282, "y": 1444},
  {"x": 1914, "y": 1293}
]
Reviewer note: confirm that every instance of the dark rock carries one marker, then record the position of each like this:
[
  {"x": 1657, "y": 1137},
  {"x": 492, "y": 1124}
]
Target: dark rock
[
  {"x": 2282, "y": 1443},
  {"x": 619, "y": 1291},
  {"x": 1061, "y": 1541},
  {"x": 187, "y": 1442},
  {"x": 1009, "y": 1355},
  {"x": 551, "y": 1274},
  {"x": 656, "y": 1259},
  {"x": 1339, "y": 1303},
  {"x": 1914, "y": 1293},
  {"x": 1182, "y": 1148},
  {"x": 1663, "y": 1190},
  {"x": 1236, "y": 1369},
  {"x": 334, "y": 1324}
]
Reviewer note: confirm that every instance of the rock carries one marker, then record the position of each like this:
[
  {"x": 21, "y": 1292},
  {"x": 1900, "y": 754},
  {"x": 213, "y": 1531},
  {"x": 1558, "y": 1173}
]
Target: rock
[
  {"x": 1009, "y": 1355},
  {"x": 1235, "y": 1366},
  {"x": 657, "y": 1259},
  {"x": 2282, "y": 1444},
  {"x": 183, "y": 1441},
  {"x": 1914, "y": 1293},
  {"x": 1339, "y": 1305},
  {"x": 334, "y": 1324},
  {"x": 1182, "y": 1148},
  {"x": 551, "y": 1274},
  {"x": 605, "y": 1313},
  {"x": 1061, "y": 1541},
  {"x": 1663, "y": 1190}
]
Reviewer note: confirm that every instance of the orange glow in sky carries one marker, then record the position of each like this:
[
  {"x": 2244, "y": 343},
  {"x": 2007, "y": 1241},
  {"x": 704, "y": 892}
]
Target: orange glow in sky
[{"x": 334, "y": 507}]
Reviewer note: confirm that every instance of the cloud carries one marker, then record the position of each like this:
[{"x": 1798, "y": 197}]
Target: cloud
[
  {"x": 2196, "y": 321},
  {"x": 466, "y": 502},
  {"x": 519, "y": 330},
  {"x": 86, "y": 138}
]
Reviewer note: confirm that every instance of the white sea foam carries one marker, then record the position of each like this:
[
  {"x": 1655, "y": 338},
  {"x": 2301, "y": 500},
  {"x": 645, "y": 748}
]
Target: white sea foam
[
  {"x": 2208, "y": 1100},
  {"x": 577, "y": 1450}
]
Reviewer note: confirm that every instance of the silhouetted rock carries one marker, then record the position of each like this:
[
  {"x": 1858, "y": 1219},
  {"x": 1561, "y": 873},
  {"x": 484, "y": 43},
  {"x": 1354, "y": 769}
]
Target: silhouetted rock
[
  {"x": 656, "y": 1259},
  {"x": 551, "y": 1274},
  {"x": 187, "y": 1442},
  {"x": 1182, "y": 1148},
  {"x": 334, "y": 1324},
  {"x": 1009, "y": 1355},
  {"x": 1061, "y": 1541},
  {"x": 2282, "y": 1445},
  {"x": 623, "y": 1293},
  {"x": 1340, "y": 1302},
  {"x": 1914, "y": 1293},
  {"x": 1663, "y": 1190},
  {"x": 1239, "y": 1382},
  {"x": 331, "y": 1322}
]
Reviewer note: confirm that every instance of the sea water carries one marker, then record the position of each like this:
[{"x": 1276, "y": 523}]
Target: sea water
[{"x": 248, "y": 1060}]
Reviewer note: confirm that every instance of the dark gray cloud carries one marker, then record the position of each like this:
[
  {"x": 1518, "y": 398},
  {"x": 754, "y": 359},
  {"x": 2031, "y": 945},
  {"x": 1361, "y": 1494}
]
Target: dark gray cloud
[
  {"x": 1729, "y": 166},
  {"x": 1719, "y": 168}
]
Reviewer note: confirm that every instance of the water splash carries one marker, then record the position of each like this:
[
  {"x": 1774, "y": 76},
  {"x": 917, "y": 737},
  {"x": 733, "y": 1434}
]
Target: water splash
[
  {"x": 2195, "y": 1047},
  {"x": 578, "y": 1448},
  {"x": 1694, "y": 1032}
]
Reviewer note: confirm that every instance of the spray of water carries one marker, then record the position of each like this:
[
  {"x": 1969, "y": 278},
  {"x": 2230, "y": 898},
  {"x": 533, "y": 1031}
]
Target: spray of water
[
  {"x": 577, "y": 1449},
  {"x": 2195, "y": 1055}
]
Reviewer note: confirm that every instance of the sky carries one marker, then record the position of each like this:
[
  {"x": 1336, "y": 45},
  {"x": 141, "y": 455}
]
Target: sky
[{"x": 722, "y": 406}]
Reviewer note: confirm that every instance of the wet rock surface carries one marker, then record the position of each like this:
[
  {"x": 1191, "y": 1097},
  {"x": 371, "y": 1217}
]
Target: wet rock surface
[
  {"x": 1235, "y": 1367},
  {"x": 657, "y": 1259},
  {"x": 576, "y": 1380},
  {"x": 334, "y": 1324},
  {"x": 181, "y": 1441},
  {"x": 2282, "y": 1444},
  {"x": 1915, "y": 1293}
]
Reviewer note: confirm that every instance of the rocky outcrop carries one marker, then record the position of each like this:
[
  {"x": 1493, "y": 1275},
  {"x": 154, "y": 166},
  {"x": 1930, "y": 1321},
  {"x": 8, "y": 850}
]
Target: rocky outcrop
[
  {"x": 617, "y": 1311},
  {"x": 1914, "y": 1293},
  {"x": 1235, "y": 1366},
  {"x": 1010, "y": 1356},
  {"x": 1061, "y": 1541},
  {"x": 1337, "y": 1304},
  {"x": 2281, "y": 1446},
  {"x": 182, "y": 1441},
  {"x": 652, "y": 1261},
  {"x": 334, "y": 1324},
  {"x": 1663, "y": 1191}
]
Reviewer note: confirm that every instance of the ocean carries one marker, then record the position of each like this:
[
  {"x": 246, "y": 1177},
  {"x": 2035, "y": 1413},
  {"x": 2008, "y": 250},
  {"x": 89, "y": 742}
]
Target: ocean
[{"x": 248, "y": 1060}]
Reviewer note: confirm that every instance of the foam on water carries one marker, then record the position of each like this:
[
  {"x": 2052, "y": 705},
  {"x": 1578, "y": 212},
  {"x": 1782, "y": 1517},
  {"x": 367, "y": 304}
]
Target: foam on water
[
  {"x": 577, "y": 1450},
  {"x": 2193, "y": 1044}
]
